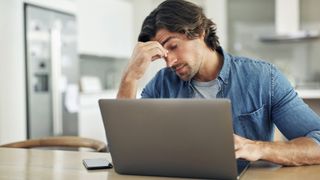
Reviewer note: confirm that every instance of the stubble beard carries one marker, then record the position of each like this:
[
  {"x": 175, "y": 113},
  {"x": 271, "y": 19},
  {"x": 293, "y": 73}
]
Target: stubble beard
[{"x": 188, "y": 75}]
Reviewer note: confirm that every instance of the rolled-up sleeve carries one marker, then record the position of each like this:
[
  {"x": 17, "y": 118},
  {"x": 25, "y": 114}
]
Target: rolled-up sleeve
[
  {"x": 150, "y": 90},
  {"x": 315, "y": 135},
  {"x": 291, "y": 115}
]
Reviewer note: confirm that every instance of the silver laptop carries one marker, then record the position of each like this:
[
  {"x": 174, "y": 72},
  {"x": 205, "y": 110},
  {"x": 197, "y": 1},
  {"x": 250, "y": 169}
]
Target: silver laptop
[{"x": 171, "y": 137}]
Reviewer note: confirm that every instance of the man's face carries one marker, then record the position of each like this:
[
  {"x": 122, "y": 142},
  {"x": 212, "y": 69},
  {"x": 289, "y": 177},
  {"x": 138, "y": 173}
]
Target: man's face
[{"x": 185, "y": 56}]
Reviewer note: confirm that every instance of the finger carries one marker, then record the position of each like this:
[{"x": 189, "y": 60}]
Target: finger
[
  {"x": 155, "y": 53},
  {"x": 147, "y": 43},
  {"x": 237, "y": 155},
  {"x": 235, "y": 139},
  {"x": 156, "y": 57},
  {"x": 163, "y": 52},
  {"x": 157, "y": 45},
  {"x": 237, "y": 142},
  {"x": 236, "y": 147},
  {"x": 152, "y": 44}
]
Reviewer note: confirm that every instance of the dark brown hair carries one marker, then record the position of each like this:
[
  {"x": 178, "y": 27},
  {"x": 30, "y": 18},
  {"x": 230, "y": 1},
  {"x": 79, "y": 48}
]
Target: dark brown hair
[{"x": 182, "y": 17}]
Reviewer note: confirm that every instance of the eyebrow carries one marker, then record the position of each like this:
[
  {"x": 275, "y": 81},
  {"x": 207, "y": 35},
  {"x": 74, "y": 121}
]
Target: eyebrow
[{"x": 167, "y": 39}]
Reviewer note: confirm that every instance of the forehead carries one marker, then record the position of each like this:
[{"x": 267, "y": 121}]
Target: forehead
[{"x": 163, "y": 34}]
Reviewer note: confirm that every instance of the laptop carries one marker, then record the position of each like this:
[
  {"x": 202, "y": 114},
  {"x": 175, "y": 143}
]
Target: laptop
[{"x": 190, "y": 138}]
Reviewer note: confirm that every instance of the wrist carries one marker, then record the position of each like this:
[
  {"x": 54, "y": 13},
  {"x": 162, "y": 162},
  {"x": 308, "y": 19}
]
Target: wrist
[
  {"x": 261, "y": 149},
  {"x": 129, "y": 78},
  {"x": 128, "y": 87}
]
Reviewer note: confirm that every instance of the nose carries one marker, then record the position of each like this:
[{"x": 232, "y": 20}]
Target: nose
[{"x": 171, "y": 59}]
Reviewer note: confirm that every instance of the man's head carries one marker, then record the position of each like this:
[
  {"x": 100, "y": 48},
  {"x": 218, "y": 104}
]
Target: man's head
[
  {"x": 182, "y": 17},
  {"x": 182, "y": 28}
]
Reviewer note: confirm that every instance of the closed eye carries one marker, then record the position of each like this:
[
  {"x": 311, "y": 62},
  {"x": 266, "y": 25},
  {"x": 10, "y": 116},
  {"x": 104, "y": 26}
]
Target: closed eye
[{"x": 173, "y": 47}]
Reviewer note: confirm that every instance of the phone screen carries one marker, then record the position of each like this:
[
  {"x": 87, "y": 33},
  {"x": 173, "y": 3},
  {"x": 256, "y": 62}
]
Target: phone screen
[{"x": 100, "y": 163}]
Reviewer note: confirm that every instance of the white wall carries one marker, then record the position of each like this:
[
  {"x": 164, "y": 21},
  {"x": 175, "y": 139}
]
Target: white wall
[
  {"x": 216, "y": 10},
  {"x": 12, "y": 74}
]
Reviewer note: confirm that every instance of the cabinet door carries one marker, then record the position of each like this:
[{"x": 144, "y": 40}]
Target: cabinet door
[
  {"x": 105, "y": 27},
  {"x": 90, "y": 120},
  {"x": 90, "y": 123}
]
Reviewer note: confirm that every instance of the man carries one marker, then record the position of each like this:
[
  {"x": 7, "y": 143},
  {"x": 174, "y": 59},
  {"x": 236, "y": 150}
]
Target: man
[{"x": 197, "y": 67}]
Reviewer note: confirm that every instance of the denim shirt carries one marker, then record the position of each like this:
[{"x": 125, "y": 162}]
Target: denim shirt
[{"x": 260, "y": 96}]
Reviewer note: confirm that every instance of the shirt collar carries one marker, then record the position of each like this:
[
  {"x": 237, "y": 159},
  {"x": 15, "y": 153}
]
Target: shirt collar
[{"x": 225, "y": 70}]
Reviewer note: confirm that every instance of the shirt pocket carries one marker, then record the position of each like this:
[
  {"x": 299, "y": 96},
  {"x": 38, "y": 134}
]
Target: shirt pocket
[{"x": 254, "y": 125}]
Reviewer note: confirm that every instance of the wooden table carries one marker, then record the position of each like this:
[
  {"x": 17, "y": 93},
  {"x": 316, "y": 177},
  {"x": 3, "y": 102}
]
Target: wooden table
[{"x": 54, "y": 164}]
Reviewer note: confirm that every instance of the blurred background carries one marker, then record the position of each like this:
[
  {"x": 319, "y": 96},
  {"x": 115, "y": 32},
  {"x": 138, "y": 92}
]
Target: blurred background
[{"x": 58, "y": 57}]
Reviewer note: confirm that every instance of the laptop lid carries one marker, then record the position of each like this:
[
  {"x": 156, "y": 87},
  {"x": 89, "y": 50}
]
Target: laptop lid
[{"x": 171, "y": 137}]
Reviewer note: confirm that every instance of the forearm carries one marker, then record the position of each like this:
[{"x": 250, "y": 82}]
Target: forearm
[
  {"x": 128, "y": 88},
  {"x": 300, "y": 151}
]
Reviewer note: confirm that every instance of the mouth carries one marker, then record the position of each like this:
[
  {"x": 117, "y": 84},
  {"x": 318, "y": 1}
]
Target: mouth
[
  {"x": 181, "y": 70},
  {"x": 178, "y": 67}
]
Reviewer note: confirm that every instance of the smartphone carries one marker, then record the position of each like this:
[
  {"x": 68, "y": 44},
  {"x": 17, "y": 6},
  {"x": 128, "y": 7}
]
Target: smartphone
[{"x": 101, "y": 163}]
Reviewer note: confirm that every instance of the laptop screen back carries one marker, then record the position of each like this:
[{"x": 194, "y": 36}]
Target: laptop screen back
[{"x": 171, "y": 137}]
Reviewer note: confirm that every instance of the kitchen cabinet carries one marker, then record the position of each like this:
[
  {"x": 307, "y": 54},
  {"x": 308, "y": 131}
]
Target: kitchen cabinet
[{"x": 105, "y": 28}]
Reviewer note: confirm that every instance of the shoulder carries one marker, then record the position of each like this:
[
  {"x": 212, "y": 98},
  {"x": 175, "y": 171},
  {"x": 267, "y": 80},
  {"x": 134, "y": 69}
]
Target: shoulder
[
  {"x": 166, "y": 75},
  {"x": 251, "y": 66},
  {"x": 253, "y": 63},
  {"x": 164, "y": 83}
]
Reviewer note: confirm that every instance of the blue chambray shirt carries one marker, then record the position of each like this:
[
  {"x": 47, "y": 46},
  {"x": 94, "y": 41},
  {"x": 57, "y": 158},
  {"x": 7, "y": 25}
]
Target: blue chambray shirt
[{"x": 260, "y": 96}]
